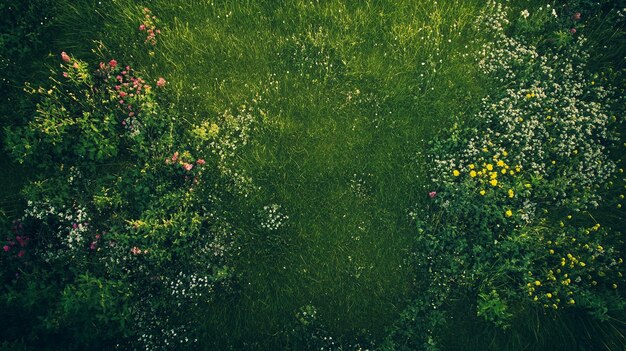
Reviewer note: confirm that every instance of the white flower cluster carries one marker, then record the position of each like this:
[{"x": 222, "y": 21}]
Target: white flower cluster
[
  {"x": 189, "y": 287},
  {"x": 70, "y": 225},
  {"x": 553, "y": 119},
  {"x": 273, "y": 218}
]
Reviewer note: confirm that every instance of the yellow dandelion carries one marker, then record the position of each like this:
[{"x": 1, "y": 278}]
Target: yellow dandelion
[
  {"x": 551, "y": 252},
  {"x": 503, "y": 171},
  {"x": 471, "y": 166},
  {"x": 511, "y": 172},
  {"x": 500, "y": 163},
  {"x": 549, "y": 295},
  {"x": 483, "y": 192},
  {"x": 493, "y": 182},
  {"x": 504, "y": 153},
  {"x": 472, "y": 173},
  {"x": 508, "y": 213},
  {"x": 511, "y": 193},
  {"x": 518, "y": 168},
  {"x": 456, "y": 173},
  {"x": 493, "y": 175},
  {"x": 538, "y": 283},
  {"x": 489, "y": 167}
]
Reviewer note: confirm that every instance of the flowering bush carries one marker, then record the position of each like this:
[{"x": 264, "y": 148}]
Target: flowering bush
[
  {"x": 508, "y": 217},
  {"x": 133, "y": 225}
]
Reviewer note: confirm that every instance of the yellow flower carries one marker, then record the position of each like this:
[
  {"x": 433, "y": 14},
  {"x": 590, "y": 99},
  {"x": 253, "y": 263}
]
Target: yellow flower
[
  {"x": 520, "y": 120},
  {"x": 549, "y": 295},
  {"x": 511, "y": 193},
  {"x": 472, "y": 173},
  {"x": 503, "y": 171},
  {"x": 471, "y": 166},
  {"x": 535, "y": 298},
  {"x": 551, "y": 252},
  {"x": 504, "y": 153},
  {"x": 518, "y": 168},
  {"x": 494, "y": 175},
  {"x": 493, "y": 182},
  {"x": 538, "y": 283},
  {"x": 511, "y": 172},
  {"x": 489, "y": 167},
  {"x": 508, "y": 213},
  {"x": 482, "y": 192},
  {"x": 456, "y": 173},
  {"x": 500, "y": 163},
  {"x": 614, "y": 286}
]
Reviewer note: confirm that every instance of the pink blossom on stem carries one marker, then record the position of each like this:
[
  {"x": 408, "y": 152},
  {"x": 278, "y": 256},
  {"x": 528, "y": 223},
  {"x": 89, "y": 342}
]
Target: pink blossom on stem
[
  {"x": 21, "y": 253},
  {"x": 142, "y": 27},
  {"x": 200, "y": 162},
  {"x": 161, "y": 82},
  {"x": 432, "y": 194},
  {"x": 175, "y": 156},
  {"x": 6, "y": 248},
  {"x": 135, "y": 250},
  {"x": 65, "y": 57},
  {"x": 113, "y": 63},
  {"x": 187, "y": 166}
]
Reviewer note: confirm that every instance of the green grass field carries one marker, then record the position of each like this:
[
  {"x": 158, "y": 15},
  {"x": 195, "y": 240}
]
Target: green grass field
[{"x": 349, "y": 94}]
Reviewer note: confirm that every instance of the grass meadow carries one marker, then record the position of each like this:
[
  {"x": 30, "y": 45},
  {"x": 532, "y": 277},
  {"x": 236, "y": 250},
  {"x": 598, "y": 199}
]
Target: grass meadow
[{"x": 339, "y": 102}]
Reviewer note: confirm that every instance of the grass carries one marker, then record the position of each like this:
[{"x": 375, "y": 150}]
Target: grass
[{"x": 351, "y": 93}]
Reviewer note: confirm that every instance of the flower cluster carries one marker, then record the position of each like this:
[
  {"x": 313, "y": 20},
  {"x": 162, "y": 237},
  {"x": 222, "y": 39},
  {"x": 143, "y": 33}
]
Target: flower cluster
[
  {"x": 16, "y": 244},
  {"x": 149, "y": 25},
  {"x": 273, "y": 218}
]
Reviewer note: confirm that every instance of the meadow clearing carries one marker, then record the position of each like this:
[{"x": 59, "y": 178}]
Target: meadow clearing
[{"x": 323, "y": 175}]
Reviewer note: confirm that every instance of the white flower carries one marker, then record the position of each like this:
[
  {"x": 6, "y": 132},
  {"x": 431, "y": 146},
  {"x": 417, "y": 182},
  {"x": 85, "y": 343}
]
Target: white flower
[
  {"x": 554, "y": 13},
  {"x": 525, "y": 13}
]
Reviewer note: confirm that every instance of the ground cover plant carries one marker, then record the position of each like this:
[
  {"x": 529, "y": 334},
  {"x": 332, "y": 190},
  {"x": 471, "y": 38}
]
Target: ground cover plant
[{"x": 384, "y": 175}]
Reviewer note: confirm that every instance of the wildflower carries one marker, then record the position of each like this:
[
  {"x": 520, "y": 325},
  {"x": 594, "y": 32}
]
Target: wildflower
[
  {"x": 135, "y": 250},
  {"x": 504, "y": 153},
  {"x": 525, "y": 14},
  {"x": 112, "y": 63},
  {"x": 175, "y": 156},
  {"x": 537, "y": 282},
  {"x": 573, "y": 30},
  {"x": 21, "y": 253},
  {"x": 551, "y": 252},
  {"x": 65, "y": 57},
  {"x": 142, "y": 27},
  {"x": 549, "y": 295},
  {"x": 500, "y": 163},
  {"x": 187, "y": 166},
  {"x": 202, "y": 162},
  {"x": 482, "y": 192},
  {"x": 511, "y": 193},
  {"x": 503, "y": 171},
  {"x": 508, "y": 213},
  {"x": 493, "y": 182},
  {"x": 432, "y": 194},
  {"x": 471, "y": 166},
  {"x": 490, "y": 167},
  {"x": 161, "y": 82},
  {"x": 6, "y": 248},
  {"x": 472, "y": 173},
  {"x": 456, "y": 173},
  {"x": 576, "y": 16}
]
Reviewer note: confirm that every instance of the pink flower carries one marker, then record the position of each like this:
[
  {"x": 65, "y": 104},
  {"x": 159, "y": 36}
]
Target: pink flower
[
  {"x": 200, "y": 162},
  {"x": 6, "y": 248},
  {"x": 75, "y": 65},
  {"x": 175, "y": 156},
  {"x": 92, "y": 246},
  {"x": 123, "y": 94},
  {"x": 142, "y": 27},
  {"x": 187, "y": 166},
  {"x": 573, "y": 30},
  {"x": 135, "y": 250},
  {"x": 65, "y": 74},
  {"x": 65, "y": 57},
  {"x": 161, "y": 82},
  {"x": 432, "y": 194},
  {"x": 576, "y": 16},
  {"x": 112, "y": 63},
  {"x": 21, "y": 253},
  {"x": 74, "y": 225}
]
